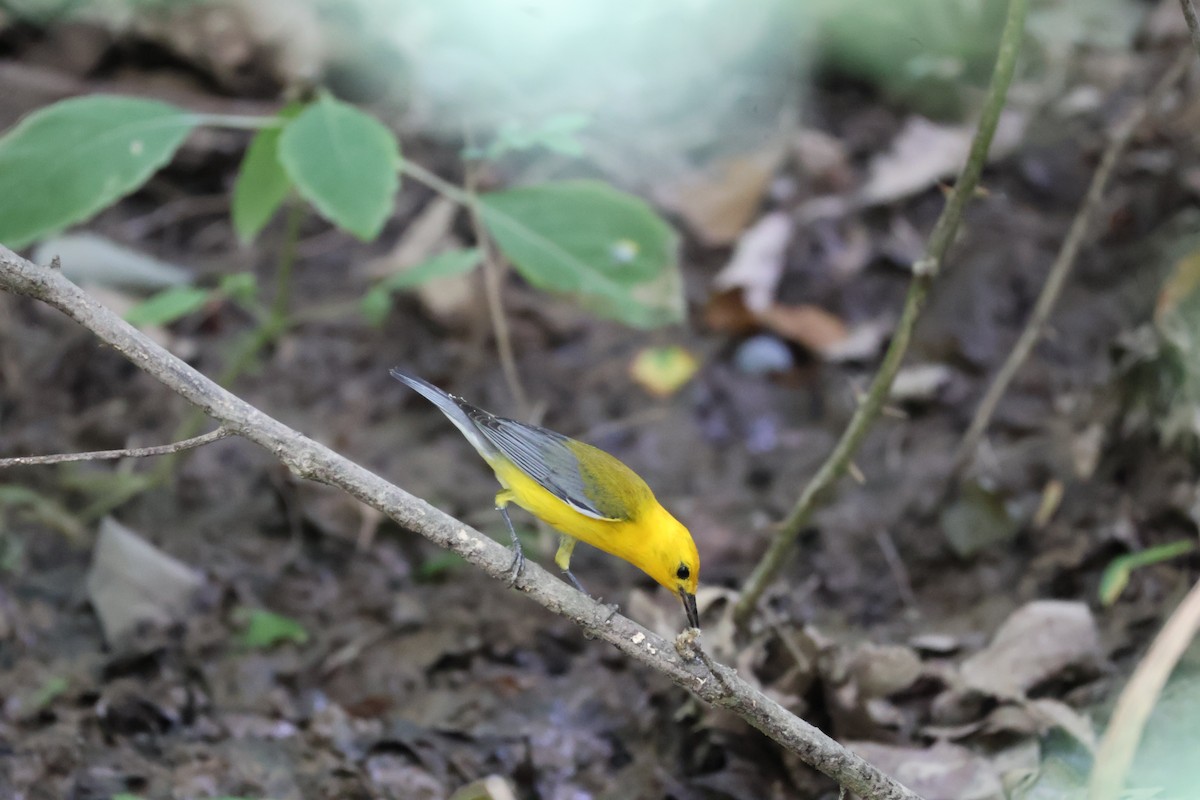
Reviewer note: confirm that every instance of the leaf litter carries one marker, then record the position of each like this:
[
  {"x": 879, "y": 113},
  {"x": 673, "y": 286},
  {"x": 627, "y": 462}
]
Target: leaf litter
[{"x": 426, "y": 683}]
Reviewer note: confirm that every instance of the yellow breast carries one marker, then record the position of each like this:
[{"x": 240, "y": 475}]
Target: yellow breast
[{"x": 617, "y": 537}]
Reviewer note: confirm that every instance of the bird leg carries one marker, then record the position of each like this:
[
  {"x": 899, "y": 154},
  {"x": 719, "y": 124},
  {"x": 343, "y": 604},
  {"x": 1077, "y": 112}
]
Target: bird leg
[
  {"x": 566, "y": 544},
  {"x": 503, "y": 498}
]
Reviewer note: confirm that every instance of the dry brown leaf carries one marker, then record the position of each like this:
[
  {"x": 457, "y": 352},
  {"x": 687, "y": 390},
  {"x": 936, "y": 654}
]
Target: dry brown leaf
[
  {"x": 942, "y": 772},
  {"x": 719, "y": 203},
  {"x": 726, "y": 313},
  {"x": 925, "y": 152},
  {"x": 807, "y": 325},
  {"x": 822, "y": 158},
  {"x": 131, "y": 582},
  {"x": 1037, "y": 642},
  {"x": 884, "y": 669},
  {"x": 757, "y": 262}
]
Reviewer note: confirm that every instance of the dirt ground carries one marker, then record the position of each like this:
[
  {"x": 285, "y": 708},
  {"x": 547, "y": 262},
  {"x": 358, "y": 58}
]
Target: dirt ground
[{"x": 417, "y": 676}]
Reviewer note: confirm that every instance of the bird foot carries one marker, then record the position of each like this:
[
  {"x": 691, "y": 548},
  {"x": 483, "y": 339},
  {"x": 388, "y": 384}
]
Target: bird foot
[{"x": 517, "y": 567}]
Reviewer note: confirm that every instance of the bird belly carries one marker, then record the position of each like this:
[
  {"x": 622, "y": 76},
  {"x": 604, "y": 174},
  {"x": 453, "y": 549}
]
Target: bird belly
[{"x": 534, "y": 498}]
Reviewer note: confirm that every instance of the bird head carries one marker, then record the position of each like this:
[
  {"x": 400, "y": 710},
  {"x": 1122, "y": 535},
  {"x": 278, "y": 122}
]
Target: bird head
[{"x": 672, "y": 559}]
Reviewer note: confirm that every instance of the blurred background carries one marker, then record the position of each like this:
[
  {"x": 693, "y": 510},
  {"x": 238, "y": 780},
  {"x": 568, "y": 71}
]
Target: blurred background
[{"x": 787, "y": 161}]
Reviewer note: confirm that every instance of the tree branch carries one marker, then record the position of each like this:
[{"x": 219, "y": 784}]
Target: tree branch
[
  {"x": 129, "y": 452},
  {"x": 717, "y": 684},
  {"x": 1065, "y": 260},
  {"x": 924, "y": 272}
]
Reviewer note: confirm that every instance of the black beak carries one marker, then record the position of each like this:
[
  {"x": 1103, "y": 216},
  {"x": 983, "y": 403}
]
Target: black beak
[{"x": 689, "y": 607}]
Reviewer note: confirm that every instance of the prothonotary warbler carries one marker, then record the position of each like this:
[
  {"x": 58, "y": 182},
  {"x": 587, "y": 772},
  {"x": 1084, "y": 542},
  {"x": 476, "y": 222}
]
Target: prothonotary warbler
[{"x": 579, "y": 490}]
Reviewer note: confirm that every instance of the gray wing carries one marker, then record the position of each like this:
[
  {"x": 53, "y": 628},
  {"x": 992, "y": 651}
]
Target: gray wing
[{"x": 542, "y": 455}]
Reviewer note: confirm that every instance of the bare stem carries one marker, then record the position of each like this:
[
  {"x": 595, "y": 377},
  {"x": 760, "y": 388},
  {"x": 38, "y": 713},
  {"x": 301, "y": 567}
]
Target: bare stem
[
  {"x": 493, "y": 274},
  {"x": 129, "y": 452},
  {"x": 710, "y": 681},
  {"x": 282, "y": 303},
  {"x": 1065, "y": 260},
  {"x": 437, "y": 183},
  {"x": 1138, "y": 698},
  {"x": 924, "y": 272},
  {"x": 1189, "y": 14},
  {"x": 244, "y": 354}
]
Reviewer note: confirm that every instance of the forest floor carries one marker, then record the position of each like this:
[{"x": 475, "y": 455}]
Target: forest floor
[{"x": 411, "y": 675}]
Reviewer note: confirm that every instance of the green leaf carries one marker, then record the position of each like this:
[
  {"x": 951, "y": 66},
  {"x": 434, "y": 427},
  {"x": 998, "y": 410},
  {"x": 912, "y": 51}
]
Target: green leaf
[
  {"x": 345, "y": 163},
  {"x": 556, "y": 133},
  {"x": 261, "y": 184},
  {"x": 41, "y": 508},
  {"x": 377, "y": 302},
  {"x": 49, "y": 691},
  {"x": 240, "y": 287},
  {"x": 443, "y": 265},
  {"x": 1116, "y": 575},
  {"x": 375, "y": 305},
  {"x": 588, "y": 239},
  {"x": 438, "y": 565},
  {"x": 168, "y": 305},
  {"x": 63, "y": 163},
  {"x": 265, "y": 629}
]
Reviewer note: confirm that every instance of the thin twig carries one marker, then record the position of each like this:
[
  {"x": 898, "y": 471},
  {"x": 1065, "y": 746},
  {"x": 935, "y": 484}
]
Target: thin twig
[
  {"x": 1061, "y": 269},
  {"x": 308, "y": 459},
  {"x": 1138, "y": 698},
  {"x": 924, "y": 272},
  {"x": 128, "y": 452},
  {"x": 897, "y": 567},
  {"x": 493, "y": 274},
  {"x": 1189, "y": 14}
]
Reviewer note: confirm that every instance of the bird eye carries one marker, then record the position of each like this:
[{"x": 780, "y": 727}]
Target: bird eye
[{"x": 683, "y": 572}]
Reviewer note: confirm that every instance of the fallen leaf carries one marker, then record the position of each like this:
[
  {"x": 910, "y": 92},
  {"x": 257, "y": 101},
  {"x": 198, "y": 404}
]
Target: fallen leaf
[
  {"x": 822, "y": 158},
  {"x": 883, "y": 669},
  {"x": 942, "y": 772},
  {"x": 977, "y": 520},
  {"x": 815, "y": 328},
  {"x": 925, "y": 152},
  {"x": 662, "y": 371},
  {"x": 132, "y": 583},
  {"x": 863, "y": 341},
  {"x": 719, "y": 203},
  {"x": 725, "y": 312},
  {"x": 1037, "y": 642},
  {"x": 758, "y": 260},
  {"x": 492, "y": 787},
  {"x": 919, "y": 383},
  {"x": 1057, "y": 714}
]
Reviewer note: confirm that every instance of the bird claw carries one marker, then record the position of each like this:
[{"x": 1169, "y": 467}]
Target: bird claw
[
  {"x": 516, "y": 568},
  {"x": 613, "y": 610}
]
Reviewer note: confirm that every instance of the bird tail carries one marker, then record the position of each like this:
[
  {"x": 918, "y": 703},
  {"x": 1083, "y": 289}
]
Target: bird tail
[{"x": 453, "y": 407}]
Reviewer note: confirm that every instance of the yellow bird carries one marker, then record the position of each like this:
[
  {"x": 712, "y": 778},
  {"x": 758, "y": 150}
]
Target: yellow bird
[{"x": 579, "y": 490}]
